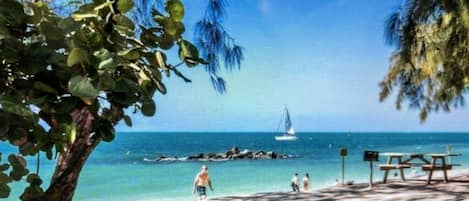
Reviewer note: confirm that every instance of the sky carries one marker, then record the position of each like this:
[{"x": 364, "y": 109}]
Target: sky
[{"x": 322, "y": 58}]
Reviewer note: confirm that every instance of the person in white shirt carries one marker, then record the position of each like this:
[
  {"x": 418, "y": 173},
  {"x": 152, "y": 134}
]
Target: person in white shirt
[
  {"x": 294, "y": 183},
  {"x": 306, "y": 187}
]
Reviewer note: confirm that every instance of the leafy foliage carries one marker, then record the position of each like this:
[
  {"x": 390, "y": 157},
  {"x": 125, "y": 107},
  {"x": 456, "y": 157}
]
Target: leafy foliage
[
  {"x": 215, "y": 43},
  {"x": 430, "y": 65},
  {"x": 52, "y": 66}
]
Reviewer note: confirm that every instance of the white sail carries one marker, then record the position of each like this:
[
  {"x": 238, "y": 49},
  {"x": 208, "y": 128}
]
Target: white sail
[{"x": 291, "y": 131}]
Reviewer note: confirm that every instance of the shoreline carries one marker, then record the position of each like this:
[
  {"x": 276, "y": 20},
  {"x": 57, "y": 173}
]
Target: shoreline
[{"x": 415, "y": 188}]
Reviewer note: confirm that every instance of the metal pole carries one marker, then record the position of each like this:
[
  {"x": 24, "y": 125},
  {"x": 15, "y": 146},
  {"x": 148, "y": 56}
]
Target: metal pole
[
  {"x": 371, "y": 174},
  {"x": 343, "y": 169}
]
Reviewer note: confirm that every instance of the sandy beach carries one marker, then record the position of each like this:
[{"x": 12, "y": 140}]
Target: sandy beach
[{"x": 413, "y": 189}]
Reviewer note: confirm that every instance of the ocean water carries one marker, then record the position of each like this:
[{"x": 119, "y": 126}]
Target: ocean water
[{"x": 117, "y": 171}]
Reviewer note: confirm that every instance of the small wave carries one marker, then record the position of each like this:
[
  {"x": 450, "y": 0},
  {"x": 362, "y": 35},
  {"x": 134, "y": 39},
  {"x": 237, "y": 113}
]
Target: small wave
[{"x": 149, "y": 160}]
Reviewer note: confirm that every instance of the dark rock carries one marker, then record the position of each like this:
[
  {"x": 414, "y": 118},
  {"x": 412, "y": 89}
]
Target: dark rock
[
  {"x": 211, "y": 155},
  {"x": 233, "y": 154},
  {"x": 235, "y": 150}
]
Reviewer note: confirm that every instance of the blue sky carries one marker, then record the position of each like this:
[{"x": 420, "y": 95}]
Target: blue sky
[{"x": 322, "y": 58}]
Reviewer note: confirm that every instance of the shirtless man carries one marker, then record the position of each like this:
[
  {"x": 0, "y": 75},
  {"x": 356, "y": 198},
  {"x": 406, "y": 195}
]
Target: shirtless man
[{"x": 201, "y": 181}]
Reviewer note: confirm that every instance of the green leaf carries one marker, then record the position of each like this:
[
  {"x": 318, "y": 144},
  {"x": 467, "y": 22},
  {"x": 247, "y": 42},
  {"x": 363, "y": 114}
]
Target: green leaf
[
  {"x": 18, "y": 137},
  {"x": 76, "y": 56},
  {"x": 18, "y": 109},
  {"x": 34, "y": 179},
  {"x": 12, "y": 13},
  {"x": 107, "y": 63},
  {"x": 188, "y": 53},
  {"x": 34, "y": 59},
  {"x": 81, "y": 86},
  {"x": 41, "y": 86},
  {"x": 51, "y": 31},
  {"x": 4, "y": 178},
  {"x": 160, "y": 86},
  {"x": 28, "y": 148},
  {"x": 148, "y": 108},
  {"x": 102, "y": 54},
  {"x": 4, "y": 167},
  {"x": 124, "y": 5},
  {"x": 106, "y": 82},
  {"x": 82, "y": 16},
  {"x": 173, "y": 28},
  {"x": 161, "y": 60},
  {"x": 17, "y": 161},
  {"x": 4, "y": 191},
  {"x": 32, "y": 192},
  {"x": 72, "y": 130},
  {"x": 19, "y": 167},
  {"x": 124, "y": 30},
  {"x": 103, "y": 5},
  {"x": 106, "y": 131},
  {"x": 127, "y": 121},
  {"x": 4, "y": 32},
  {"x": 4, "y": 126},
  {"x": 66, "y": 105},
  {"x": 125, "y": 85},
  {"x": 175, "y": 9},
  {"x": 131, "y": 54},
  {"x": 124, "y": 21}
]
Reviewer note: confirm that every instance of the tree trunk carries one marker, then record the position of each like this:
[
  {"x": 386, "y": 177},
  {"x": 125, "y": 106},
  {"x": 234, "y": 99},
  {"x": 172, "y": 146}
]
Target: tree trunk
[{"x": 72, "y": 160}]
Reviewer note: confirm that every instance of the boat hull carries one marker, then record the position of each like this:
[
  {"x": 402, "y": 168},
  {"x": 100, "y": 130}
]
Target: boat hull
[{"x": 286, "y": 138}]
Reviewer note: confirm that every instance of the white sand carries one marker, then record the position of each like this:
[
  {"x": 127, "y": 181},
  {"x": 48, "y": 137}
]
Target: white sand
[{"x": 413, "y": 189}]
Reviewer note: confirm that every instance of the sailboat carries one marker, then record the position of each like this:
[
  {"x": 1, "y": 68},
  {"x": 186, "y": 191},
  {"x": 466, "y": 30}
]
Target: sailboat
[{"x": 289, "y": 132}]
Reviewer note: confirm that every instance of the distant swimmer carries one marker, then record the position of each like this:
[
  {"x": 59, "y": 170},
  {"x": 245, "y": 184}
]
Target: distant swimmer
[{"x": 201, "y": 181}]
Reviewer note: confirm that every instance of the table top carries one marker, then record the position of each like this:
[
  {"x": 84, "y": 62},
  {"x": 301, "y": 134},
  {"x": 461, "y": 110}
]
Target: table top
[{"x": 397, "y": 154}]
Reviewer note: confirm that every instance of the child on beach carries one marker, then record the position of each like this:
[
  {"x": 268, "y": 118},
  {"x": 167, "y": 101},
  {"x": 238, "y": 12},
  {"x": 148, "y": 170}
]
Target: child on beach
[
  {"x": 306, "y": 183},
  {"x": 294, "y": 183},
  {"x": 201, "y": 181}
]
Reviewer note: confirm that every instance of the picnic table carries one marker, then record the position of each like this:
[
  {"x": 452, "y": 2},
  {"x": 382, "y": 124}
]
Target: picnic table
[{"x": 402, "y": 163}]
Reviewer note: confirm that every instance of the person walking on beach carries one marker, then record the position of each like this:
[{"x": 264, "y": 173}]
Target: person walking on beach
[
  {"x": 201, "y": 181},
  {"x": 306, "y": 183},
  {"x": 294, "y": 183}
]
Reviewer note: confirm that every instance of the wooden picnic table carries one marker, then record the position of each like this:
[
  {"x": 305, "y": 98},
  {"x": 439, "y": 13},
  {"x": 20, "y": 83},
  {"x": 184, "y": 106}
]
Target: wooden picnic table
[{"x": 427, "y": 165}]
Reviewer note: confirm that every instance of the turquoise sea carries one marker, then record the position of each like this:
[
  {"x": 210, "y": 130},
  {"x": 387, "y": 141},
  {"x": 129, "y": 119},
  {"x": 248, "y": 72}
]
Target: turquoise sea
[{"x": 117, "y": 171}]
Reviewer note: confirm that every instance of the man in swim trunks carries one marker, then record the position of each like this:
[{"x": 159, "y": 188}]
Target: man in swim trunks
[{"x": 201, "y": 181}]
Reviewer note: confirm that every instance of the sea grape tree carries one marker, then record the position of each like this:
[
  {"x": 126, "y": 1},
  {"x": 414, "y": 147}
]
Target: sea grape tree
[{"x": 65, "y": 82}]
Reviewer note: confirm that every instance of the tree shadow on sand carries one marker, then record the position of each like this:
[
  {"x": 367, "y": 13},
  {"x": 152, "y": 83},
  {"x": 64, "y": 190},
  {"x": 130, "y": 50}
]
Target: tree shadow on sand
[{"x": 412, "y": 189}]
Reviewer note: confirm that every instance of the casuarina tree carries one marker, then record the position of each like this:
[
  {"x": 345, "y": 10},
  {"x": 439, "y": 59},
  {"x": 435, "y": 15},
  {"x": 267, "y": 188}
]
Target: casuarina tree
[{"x": 430, "y": 64}]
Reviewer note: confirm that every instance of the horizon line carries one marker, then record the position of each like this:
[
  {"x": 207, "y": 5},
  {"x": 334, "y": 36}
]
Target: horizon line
[{"x": 296, "y": 131}]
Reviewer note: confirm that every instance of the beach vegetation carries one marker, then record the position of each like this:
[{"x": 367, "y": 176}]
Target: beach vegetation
[
  {"x": 429, "y": 67},
  {"x": 67, "y": 79}
]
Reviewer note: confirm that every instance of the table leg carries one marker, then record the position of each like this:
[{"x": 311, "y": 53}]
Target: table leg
[
  {"x": 386, "y": 172},
  {"x": 431, "y": 172},
  {"x": 443, "y": 162},
  {"x": 400, "y": 169}
]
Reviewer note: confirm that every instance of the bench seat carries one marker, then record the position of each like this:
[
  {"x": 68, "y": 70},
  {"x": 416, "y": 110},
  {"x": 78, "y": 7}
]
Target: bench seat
[
  {"x": 393, "y": 166},
  {"x": 430, "y": 167}
]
